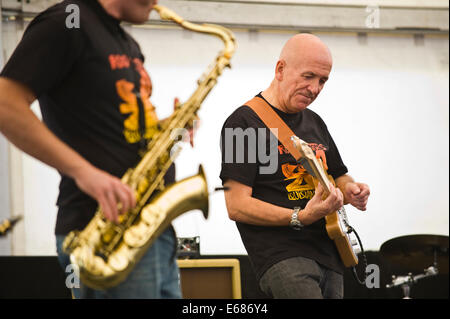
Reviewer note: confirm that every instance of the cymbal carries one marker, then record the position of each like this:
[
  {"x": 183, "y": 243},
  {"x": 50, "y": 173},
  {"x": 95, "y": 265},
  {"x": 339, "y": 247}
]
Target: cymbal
[{"x": 414, "y": 253}]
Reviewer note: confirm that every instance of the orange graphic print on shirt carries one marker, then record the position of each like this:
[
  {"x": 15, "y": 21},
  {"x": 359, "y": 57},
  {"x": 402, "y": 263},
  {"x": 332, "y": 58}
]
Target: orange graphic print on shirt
[
  {"x": 126, "y": 91},
  {"x": 302, "y": 186}
]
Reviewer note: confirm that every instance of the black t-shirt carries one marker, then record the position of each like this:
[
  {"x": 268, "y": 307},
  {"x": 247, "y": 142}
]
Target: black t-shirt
[
  {"x": 93, "y": 93},
  {"x": 289, "y": 186}
]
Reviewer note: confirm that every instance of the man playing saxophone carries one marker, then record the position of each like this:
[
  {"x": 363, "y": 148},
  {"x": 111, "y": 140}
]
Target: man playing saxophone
[{"x": 94, "y": 94}]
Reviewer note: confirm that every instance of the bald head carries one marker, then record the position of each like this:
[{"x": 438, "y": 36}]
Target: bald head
[
  {"x": 305, "y": 46},
  {"x": 301, "y": 72}
]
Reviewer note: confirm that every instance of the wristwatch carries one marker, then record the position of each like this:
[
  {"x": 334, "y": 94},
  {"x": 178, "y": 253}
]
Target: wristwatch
[{"x": 295, "y": 223}]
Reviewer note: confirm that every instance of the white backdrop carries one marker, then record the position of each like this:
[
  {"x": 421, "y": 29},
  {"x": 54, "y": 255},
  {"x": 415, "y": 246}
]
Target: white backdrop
[{"x": 386, "y": 105}]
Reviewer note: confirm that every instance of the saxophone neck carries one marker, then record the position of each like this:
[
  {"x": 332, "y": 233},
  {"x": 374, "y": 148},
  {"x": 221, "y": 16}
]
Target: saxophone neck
[{"x": 223, "y": 33}]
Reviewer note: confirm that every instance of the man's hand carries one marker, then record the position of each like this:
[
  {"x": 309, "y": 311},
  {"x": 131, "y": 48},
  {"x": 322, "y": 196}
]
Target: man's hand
[
  {"x": 108, "y": 190},
  {"x": 357, "y": 194},
  {"x": 318, "y": 208}
]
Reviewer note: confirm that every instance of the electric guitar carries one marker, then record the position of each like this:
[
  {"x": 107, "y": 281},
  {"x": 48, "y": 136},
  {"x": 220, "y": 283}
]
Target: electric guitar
[{"x": 337, "y": 225}]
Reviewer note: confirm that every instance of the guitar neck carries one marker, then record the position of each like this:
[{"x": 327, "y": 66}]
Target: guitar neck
[{"x": 321, "y": 176}]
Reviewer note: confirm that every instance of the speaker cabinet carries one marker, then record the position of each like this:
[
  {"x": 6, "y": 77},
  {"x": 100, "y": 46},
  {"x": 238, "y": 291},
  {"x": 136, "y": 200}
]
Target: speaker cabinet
[{"x": 210, "y": 278}]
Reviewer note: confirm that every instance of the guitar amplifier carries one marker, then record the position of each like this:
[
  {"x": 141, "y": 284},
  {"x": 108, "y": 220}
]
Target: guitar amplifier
[{"x": 210, "y": 278}]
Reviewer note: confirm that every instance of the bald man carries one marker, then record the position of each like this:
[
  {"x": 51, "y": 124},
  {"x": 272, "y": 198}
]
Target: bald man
[
  {"x": 90, "y": 81},
  {"x": 280, "y": 215}
]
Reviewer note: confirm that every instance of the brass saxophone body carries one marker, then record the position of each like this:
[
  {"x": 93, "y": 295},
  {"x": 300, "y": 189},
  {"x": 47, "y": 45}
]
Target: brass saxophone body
[{"x": 106, "y": 252}]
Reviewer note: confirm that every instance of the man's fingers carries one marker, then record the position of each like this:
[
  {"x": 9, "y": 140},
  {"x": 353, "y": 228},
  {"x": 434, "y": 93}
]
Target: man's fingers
[
  {"x": 131, "y": 196},
  {"x": 359, "y": 199},
  {"x": 339, "y": 198},
  {"x": 122, "y": 197},
  {"x": 112, "y": 204},
  {"x": 108, "y": 190},
  {"x": 365, "y": 190},
  {"x": 361, "y": 205},
  {"x": 126, "y": 197},
  {"x": 176, "y": 103},
  {"x": 361, "y": 202},
  {"x": 365, "y": 193},
  {"x": 319, "y": 189},
  {"x": 354, "y": 189},
  {"x": 335, "y": 199},
  {"x": 106, "y": 209}
]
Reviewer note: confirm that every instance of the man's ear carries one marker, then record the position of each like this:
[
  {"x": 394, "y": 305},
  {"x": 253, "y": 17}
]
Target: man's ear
[{"x": 279, "y": 70}]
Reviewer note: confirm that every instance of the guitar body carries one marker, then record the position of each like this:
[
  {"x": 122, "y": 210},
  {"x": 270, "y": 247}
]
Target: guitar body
[
  {"x": 341, "y": 240},
  {"x": 337, "y": 231}
]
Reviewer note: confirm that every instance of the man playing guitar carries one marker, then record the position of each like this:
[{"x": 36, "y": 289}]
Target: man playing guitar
[{"x": 280, "y": 216}]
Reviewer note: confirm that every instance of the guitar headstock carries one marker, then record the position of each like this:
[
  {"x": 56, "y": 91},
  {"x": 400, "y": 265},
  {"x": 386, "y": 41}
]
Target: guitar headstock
[{"x": 303, "y": 148}]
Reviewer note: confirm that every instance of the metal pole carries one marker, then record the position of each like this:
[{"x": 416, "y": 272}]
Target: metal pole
[{"x": 5, "y": 207}]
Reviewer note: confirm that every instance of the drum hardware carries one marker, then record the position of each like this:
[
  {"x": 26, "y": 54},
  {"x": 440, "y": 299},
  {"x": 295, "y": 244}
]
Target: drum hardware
[
  {"x": 405, "y": 282},
  {"x": 414, "y": 253}
]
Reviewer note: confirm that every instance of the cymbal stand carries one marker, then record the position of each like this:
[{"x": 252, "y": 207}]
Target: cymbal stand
[{"x": 405, "y": 282}]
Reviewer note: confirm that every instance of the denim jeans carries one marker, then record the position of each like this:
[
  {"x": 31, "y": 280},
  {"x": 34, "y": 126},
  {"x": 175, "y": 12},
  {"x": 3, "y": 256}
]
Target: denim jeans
[
  {"x": 155, "y": 276},
  {"x": 301, "y": 278}
]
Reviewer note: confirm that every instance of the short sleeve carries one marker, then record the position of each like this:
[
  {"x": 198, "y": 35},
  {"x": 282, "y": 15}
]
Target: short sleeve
[
  {"x": 46, "y": 53},
  {"x": 237, "y": 162},
  {"x": 336, "y": 166}
]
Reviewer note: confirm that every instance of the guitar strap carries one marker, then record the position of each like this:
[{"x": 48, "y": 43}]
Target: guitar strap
[{"x": 276, "y": 125}]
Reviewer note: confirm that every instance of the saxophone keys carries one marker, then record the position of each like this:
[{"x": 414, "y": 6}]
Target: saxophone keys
[
  {"x": 86, "y": 259},
  {"x": 98, "y": 265},
  {"x": 136, "y": 236},
  {"x": 161, "y": 187},
  {"x": 142, "y": 186},
  {"x": 118, "y": 262},
  {"x": 122, "y": 218},
  {"x": 108, "y": 236},
  {"x": 151, "y": 214}
]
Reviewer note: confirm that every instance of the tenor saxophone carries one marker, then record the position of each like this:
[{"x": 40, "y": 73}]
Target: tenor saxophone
[{"x": 105, "y": 252}]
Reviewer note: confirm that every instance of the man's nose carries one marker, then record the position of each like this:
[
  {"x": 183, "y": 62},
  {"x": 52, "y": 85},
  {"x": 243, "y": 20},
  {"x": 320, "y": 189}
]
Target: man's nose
[{"x": 314, "y": 89}]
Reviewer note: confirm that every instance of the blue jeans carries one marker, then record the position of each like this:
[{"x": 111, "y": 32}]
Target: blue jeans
[
  {"x": 301, "y": 278},
  {"x": 155, "y": 276}
]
